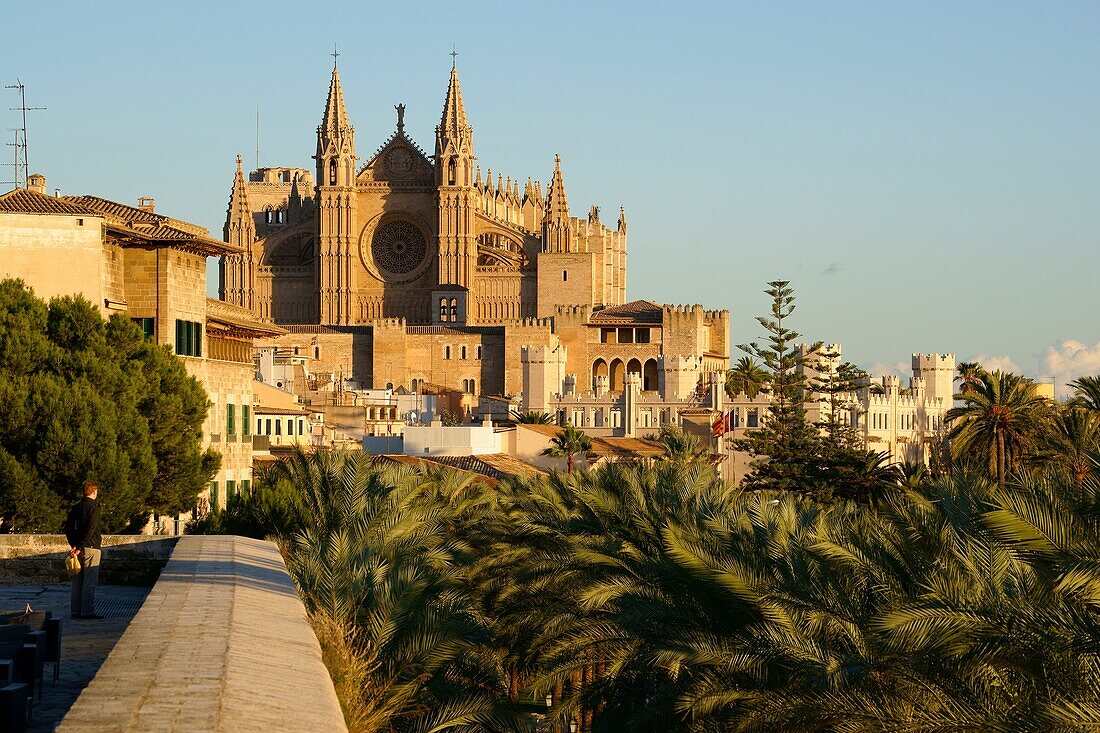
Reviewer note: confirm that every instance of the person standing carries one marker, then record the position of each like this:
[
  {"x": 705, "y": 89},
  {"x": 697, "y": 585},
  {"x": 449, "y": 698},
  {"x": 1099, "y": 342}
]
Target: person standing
[{"x": 82, "y": 532}]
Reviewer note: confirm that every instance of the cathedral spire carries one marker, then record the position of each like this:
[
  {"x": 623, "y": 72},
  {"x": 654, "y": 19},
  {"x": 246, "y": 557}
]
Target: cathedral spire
[
  {"x": 454, "y": 123},
  {"x": 557, "y": 207},
  {"x": 336, "y": 114},
  {"x": 557, "y": 232},
  {"x": 238, "y": 199},
  {"x": 238, "y": 270}
]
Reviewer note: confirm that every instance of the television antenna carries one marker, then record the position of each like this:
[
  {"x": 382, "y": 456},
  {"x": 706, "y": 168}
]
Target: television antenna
[
  {"x": 18, "y": 147},
  {"x": 24, "y": 109}
]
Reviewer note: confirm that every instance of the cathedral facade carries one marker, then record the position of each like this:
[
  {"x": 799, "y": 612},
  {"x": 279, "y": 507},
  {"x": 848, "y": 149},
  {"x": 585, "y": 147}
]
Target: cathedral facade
[
  {"x": 429, "y": 239},
  {"x": 415, "y": 269}
]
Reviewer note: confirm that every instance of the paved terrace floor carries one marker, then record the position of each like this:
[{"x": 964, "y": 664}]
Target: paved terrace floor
[
  {"x": 84, "y": 644},
  {"x": 222, "y": 643}
]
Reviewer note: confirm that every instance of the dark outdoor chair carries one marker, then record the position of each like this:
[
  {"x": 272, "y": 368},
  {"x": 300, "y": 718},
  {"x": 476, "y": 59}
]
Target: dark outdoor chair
[
  {"x": 13, "y": 707},
  {"x": 23, "y": 657},
  {"x": 40, "y": 620}
]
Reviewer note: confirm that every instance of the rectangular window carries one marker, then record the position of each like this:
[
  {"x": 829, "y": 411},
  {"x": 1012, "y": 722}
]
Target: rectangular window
[
  {"x": 246, "y": 487},
  {"x": 752, "y": 419},
  {"x": 641, "y": 335},
  {"x": 267, "y": 427},
  {"x": 230, "y": 419},
  {"x": 290, "y": 427},
  {"x": 259, "y": 427},
  {"x": 301, "y": 423},
  {"x": 213, "y": 495},
  {"x": 188, "y": 338},
  {"x": 607, "y": 336},
  {"x": 246, "y": 420},
  {"x": 278, "y": 427},
  {"x": 230, "y": 489},
  {"x": 147, "y": 326}
]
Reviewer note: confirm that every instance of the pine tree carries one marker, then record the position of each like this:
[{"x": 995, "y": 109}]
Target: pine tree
[{"x": 786, "y": 449}]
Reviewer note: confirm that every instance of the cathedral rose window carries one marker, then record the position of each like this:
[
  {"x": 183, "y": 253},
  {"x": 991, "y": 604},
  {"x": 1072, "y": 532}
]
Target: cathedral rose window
[{"x": 398, "y": 247}]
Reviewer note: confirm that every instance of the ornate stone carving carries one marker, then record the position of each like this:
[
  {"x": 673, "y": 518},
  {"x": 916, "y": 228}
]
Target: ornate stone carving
[
  {"x": 398, "y": 249},
  {"x": 400, "y": 162}
]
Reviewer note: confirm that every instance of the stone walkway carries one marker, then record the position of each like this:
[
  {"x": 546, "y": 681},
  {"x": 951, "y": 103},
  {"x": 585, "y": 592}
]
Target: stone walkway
[
  {"x": 221, "y": 644},
  {"x": 84, "y": 644}
]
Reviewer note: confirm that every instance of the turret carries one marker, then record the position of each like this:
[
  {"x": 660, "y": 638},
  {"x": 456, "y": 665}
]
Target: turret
[
  {"x": 557, "y": 234},
  {"x": 238, "y": 271},
  {"x": 454, "y": 177},
  {"x": 337, "y": 206}
]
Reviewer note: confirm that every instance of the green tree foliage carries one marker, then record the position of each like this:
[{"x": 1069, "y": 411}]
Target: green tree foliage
[
  {"x": 85, "y": 398},
  {"x": 1087, "y": 392},
  {"x": 680, "y": 446},
  {"x": 1000, "y": 422},
  {"x": 652, "y": 597},
  {"x": 568, "y": 444},
  {"x": 786, "y": 448},
  {"x": 746, "y": 377},
  {"x": 532, "y": 417}
]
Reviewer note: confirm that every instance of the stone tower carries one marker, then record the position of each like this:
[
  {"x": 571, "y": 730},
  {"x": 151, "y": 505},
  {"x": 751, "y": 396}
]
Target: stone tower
[
  {"x": 337, "y": 204},
  {"x": 454, "y": 178},
  {"x": 239, "y": 270}
]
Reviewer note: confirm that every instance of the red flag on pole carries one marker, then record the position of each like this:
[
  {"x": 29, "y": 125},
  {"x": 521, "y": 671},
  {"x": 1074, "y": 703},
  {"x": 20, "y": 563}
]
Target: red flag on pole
[{"x": 721, "y": 425}]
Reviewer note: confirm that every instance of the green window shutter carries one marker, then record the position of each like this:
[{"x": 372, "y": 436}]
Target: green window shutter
[
  {"x": 181, "y": 338},
  {"x": 230, "y": 490},
  {"x": 198, "y": 340},
  {"x": 213, "y": 496},
  {"x": 230, "y": 427},
  {"x": 246, "y": 487},
  {"x": 246, "y": 420}
]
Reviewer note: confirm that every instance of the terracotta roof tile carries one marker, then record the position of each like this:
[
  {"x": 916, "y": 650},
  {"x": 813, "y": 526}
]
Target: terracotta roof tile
[
  {"x": 235, "y": 318},
  {"x": 637, "y": 311},
  {"x": 152, "y": 227},
  {"x": 23, "y": 201}
]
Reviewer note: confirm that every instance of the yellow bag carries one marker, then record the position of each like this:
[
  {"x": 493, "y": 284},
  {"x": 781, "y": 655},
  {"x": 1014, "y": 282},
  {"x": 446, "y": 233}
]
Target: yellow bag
[{"x": 72, "y": 565}]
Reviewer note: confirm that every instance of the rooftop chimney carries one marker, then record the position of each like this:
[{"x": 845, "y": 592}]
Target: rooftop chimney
[
  {"x": 36, "y": 182},
  {"x": 147, "y": 203}
]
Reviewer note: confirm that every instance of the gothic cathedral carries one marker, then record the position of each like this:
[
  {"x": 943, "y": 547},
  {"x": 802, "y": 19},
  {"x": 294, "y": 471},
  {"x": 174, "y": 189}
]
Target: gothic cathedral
[{"x": 427, "y": 239}]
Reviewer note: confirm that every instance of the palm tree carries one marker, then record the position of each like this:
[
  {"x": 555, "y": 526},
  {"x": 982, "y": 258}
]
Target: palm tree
[
  {"x": 1001, "y": 421},
  {"x": 378, "y": 561},
  {"x": 969, "y": 375},
  {"x": 680, "y": 446},
  {"x": 1075, "y": 441},
  {"x": 568, "y": 443},
  {"x": 532, "y": 417},
  {"x": 746, "y": 377},
  {"x": 1088, "y": 392}
]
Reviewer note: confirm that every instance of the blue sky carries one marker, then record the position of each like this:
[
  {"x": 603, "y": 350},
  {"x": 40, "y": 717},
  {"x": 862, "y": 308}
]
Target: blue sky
[{"x": 926, "y": 174}]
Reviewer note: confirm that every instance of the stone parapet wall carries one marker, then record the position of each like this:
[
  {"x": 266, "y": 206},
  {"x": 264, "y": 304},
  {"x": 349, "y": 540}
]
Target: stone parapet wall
[
  {"x": 40, "y": 558},
  {"x": 222, "y": 643}
]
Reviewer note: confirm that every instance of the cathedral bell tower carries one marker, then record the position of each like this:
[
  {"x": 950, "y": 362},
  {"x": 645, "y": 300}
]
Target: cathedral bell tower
[
  {"x": 454, "y": 178},
  {"x": 336, "y": 208}
]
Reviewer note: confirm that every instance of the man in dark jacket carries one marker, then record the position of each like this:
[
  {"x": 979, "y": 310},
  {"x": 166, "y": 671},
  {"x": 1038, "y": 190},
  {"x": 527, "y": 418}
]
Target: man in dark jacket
[{"x": 82, "y": 532}]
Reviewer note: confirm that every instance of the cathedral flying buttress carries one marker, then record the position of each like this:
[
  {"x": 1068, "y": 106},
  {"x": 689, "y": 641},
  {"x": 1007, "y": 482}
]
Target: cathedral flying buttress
[{"x": 352, "y": 242}]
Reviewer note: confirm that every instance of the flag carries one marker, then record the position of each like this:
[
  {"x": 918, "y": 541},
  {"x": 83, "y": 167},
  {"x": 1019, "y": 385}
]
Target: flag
[{"x": 722, "y": 424}]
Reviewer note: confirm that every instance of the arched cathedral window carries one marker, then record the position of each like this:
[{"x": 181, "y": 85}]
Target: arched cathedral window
[
  {"x": 452, "y": 171},
  {"x": 332, "y": 173},
  {"x": 443, "y": 309},
  {"x": 454, "y": 309}
]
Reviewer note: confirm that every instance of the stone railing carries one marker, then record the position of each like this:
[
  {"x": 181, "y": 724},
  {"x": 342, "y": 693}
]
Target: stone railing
[
  {"x": 40, "y": 558},
  {"x": 222, "y": 643}
]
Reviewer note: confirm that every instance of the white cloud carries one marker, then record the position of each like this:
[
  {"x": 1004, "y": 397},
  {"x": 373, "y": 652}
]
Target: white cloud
[
  {"x": 832, "y": 269},
  {"x": 998, "y": 364},
  {"x": 1069, "y": 360},
  {"x": 882, "y": 369}
]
